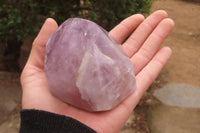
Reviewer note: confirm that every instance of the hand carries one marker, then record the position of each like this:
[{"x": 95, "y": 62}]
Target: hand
[{"x": 143, "y": 48}]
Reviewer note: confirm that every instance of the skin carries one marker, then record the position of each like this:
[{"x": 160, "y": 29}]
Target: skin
[{"x": 144, "y": 49}]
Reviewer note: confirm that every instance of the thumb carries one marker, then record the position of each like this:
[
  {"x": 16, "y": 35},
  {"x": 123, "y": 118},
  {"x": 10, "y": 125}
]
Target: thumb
[{"x": 37, "y": 54}]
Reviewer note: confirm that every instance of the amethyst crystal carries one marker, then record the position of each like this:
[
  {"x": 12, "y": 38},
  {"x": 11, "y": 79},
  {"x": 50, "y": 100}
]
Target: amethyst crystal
[{"x": 86, "y": 68}]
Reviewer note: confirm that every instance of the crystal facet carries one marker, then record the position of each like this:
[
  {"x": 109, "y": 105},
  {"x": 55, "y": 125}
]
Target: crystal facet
[{"x": 86, "y": 68}]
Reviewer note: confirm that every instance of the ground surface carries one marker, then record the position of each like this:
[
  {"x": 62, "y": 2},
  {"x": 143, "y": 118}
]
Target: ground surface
[
  {"x": 183, "y": 67},
  {"x": 185, "y": 41}
]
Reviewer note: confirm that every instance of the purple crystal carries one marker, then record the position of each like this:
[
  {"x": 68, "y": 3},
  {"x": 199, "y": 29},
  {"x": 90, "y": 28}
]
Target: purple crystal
[{"x": 86, "y": 68}]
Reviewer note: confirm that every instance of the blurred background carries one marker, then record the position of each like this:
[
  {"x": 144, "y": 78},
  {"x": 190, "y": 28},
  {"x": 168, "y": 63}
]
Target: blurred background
[{"x": 172, "y": 103}]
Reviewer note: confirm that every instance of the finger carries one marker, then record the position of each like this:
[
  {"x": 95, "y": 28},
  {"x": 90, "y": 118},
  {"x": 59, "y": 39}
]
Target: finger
[
  {"x": 135, "y": 41},
  {"x": 152, "y": 44},
  {"x": 145, "y": 78},
  {"x": 37, "y": 54},
  {"x": 151, "y": 71},
  {"x": 126, "y": 27}
]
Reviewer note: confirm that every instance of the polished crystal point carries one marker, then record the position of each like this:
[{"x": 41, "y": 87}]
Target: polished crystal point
[{"x": 86, "y": 68}]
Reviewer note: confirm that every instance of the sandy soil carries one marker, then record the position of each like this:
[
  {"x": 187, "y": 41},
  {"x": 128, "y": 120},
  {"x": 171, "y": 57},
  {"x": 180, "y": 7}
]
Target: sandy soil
[{"x": 184, "y": 65}]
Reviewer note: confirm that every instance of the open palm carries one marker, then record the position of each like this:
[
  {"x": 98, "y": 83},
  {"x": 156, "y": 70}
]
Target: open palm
[{"x": 143, "y": 48}]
